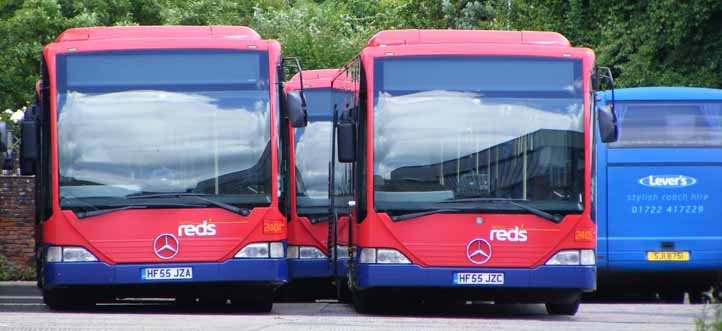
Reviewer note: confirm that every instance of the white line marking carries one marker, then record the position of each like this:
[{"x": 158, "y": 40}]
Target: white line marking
[{"x": 22, "y": 304}]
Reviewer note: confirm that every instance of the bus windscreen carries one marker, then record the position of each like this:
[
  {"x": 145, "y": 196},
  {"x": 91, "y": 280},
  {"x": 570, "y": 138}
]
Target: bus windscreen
[
  {"x": 180, "y": 125},
  {"x": 515, "y": 133},
  {"x": 313, "y": 150},
  {"x": 679, "y": 124}
]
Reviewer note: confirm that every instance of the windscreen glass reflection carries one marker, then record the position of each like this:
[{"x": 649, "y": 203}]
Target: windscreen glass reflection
[
  {"x": 678, "y": 124},
  {"x": 174, "y": 136},
  {"x": 313, "y": 152},
  {"x": 478, "y": 139}
]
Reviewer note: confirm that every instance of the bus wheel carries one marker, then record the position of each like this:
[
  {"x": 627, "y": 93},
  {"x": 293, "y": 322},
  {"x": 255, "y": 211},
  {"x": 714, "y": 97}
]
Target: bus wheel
[
  {"x": 186, "y": 301},
  {"x": 254, "y": 305},
  {"x": 671, "y": 296},
  {"x": 59, "y": 299},
  {"x": 363, "y": 301},
  {"x": 563, "y": 308},
  {"x": 346, "y": 296}
]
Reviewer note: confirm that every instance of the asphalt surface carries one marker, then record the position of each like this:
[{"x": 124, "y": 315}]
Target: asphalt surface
[{"x": 21, "y": 308}]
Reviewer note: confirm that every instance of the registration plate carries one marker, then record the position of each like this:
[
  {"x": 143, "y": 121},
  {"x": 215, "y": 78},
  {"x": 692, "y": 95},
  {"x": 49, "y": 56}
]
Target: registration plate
[
  {"x": 479, "y": 278},
  {"x": 166, "y": 273},
  {"x": 668, "y": 256}
]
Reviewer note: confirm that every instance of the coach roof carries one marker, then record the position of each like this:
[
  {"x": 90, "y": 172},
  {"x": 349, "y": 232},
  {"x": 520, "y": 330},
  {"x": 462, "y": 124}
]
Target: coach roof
[
  {"x": 156, "y": 32},
  {"x": 419, "y": 37}
]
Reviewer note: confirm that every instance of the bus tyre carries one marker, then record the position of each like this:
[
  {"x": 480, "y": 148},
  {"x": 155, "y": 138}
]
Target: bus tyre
[
  {"x": 345, "y": 295},
  {"x": 671, "y": 296},
  {"x": 255, "y": 305},
  {"x": 58, "y": 299},
  {"x": 363, "y": 301},
  {"x": 563, "y": 308},
  {"x": 185, "y": 301}
]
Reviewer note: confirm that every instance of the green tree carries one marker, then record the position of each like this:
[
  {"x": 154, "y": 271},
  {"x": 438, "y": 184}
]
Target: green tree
[
  {"x": 662, "y": 42},
  {"x": 32, "y": 25},
  {"x": 324, "y": 35}
]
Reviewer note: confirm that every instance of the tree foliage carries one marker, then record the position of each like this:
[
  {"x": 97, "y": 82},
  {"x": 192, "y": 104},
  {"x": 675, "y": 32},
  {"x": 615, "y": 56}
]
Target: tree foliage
[{"x": 648, "y": 42}]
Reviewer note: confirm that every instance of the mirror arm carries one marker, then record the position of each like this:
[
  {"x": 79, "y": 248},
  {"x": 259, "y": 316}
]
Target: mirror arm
[
  {"x": 4, "y": 137},
  {"x": 296, "y": 64},
  {"x": 606, "y": 72}
]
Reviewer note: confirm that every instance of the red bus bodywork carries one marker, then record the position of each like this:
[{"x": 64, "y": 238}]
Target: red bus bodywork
[
  {"x": 437, "y": 246},
  {"x": 123, "y": 241}
]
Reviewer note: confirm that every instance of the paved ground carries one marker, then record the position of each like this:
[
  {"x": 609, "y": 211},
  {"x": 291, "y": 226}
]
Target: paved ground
[{"x": 22, "y": 309}]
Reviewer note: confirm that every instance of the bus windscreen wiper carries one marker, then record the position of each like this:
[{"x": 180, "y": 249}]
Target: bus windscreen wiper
[
  {"x": 404, "y": 217},
  {"x": 197, "y": 196},
  {"x": 101, "y": 211},
  {"x": 98, "y": 212},
  {"x": 514, "y": 202}
]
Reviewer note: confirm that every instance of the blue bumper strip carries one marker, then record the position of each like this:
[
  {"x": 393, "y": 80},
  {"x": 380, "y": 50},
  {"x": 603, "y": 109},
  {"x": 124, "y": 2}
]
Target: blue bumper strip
[
  {"x": 640, "y": 265},
  {"x": 315, "y": 268},
  {"x": 571, "y": 277},
  {"x": 272, "y": 271}
]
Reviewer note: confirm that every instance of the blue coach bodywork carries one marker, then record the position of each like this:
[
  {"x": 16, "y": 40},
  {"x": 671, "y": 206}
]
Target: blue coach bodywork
[{"x": 661, "y": 198}]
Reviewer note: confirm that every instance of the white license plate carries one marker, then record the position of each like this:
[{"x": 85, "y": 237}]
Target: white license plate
[
  {"x": 479, "y": 278},
  {"x": 166, "y": 273}
]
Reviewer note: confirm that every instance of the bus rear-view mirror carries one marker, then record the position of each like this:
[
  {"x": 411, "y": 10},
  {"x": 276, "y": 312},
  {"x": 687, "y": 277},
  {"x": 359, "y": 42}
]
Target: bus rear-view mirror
[
  {"x": 296, "y": 109},
  {"x": 346, "y": 133},
  {"x": 4, "y": 143},
  {"x": 6, "y": 156},
  {"x": 29, "y": 146},
  {"x": 607, "y": 121}
]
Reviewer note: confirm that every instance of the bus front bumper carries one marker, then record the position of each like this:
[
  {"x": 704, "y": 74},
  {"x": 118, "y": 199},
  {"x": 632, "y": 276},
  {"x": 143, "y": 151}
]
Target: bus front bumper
[
  {"x": 256, "y": 271},
  {"x": 315, "y": 268},
  {"x": 581, "y": 278}
]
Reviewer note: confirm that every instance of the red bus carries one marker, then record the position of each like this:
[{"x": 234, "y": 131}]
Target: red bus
[
  {"x": 157, "y": 163},
  {"x": 472, "y": 168},
  {"x": 311, "y": 266}
]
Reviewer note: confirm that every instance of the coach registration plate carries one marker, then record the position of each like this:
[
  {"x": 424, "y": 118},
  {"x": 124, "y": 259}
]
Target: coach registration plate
[
  {"x": 166, "y": 273},
  {"x": 479, "y": 278},
  {"x": 668, "y": 256}
]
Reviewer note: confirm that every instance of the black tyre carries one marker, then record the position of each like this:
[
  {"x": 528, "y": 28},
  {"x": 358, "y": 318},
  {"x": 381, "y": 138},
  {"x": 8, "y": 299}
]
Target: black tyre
[
  {"x": 379, "y": 301},
  {"x": 569, "y": 309},
  {"x": 186, "y": 301},
  {"x": 364, "y": 301},
  {"x": 262, "y": 306},
  {"x": 255, "y": 305},
  {"x": 671, "y": 296},
  {"x": 346, "y": 296},
  {"x": 63, "y": 299}
]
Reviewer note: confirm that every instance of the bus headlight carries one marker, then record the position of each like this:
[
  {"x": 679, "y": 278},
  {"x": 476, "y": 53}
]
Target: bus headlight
[
  {"x": 305, "y": 252},
  {"x": 69, "y": 254},
  {"x": 262, "y": 250},
  {"x": 383, "y": 256},
  {"x": 292, "y": 252},
  {"x": 55, "y": 254},
  {"x": 588, "y": 257},
  {"x": 342, "y": 251},
  {"x": 390, "y": 256},
  {"x": 368, "y": 255},
  {"x": 573, "y": 257},
  {"x": 277, "y": 250},
  {"x": 308, "y": 252}
]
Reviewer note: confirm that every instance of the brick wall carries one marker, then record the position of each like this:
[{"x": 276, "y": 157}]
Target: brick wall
[{"x": 16, "y": 219}]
